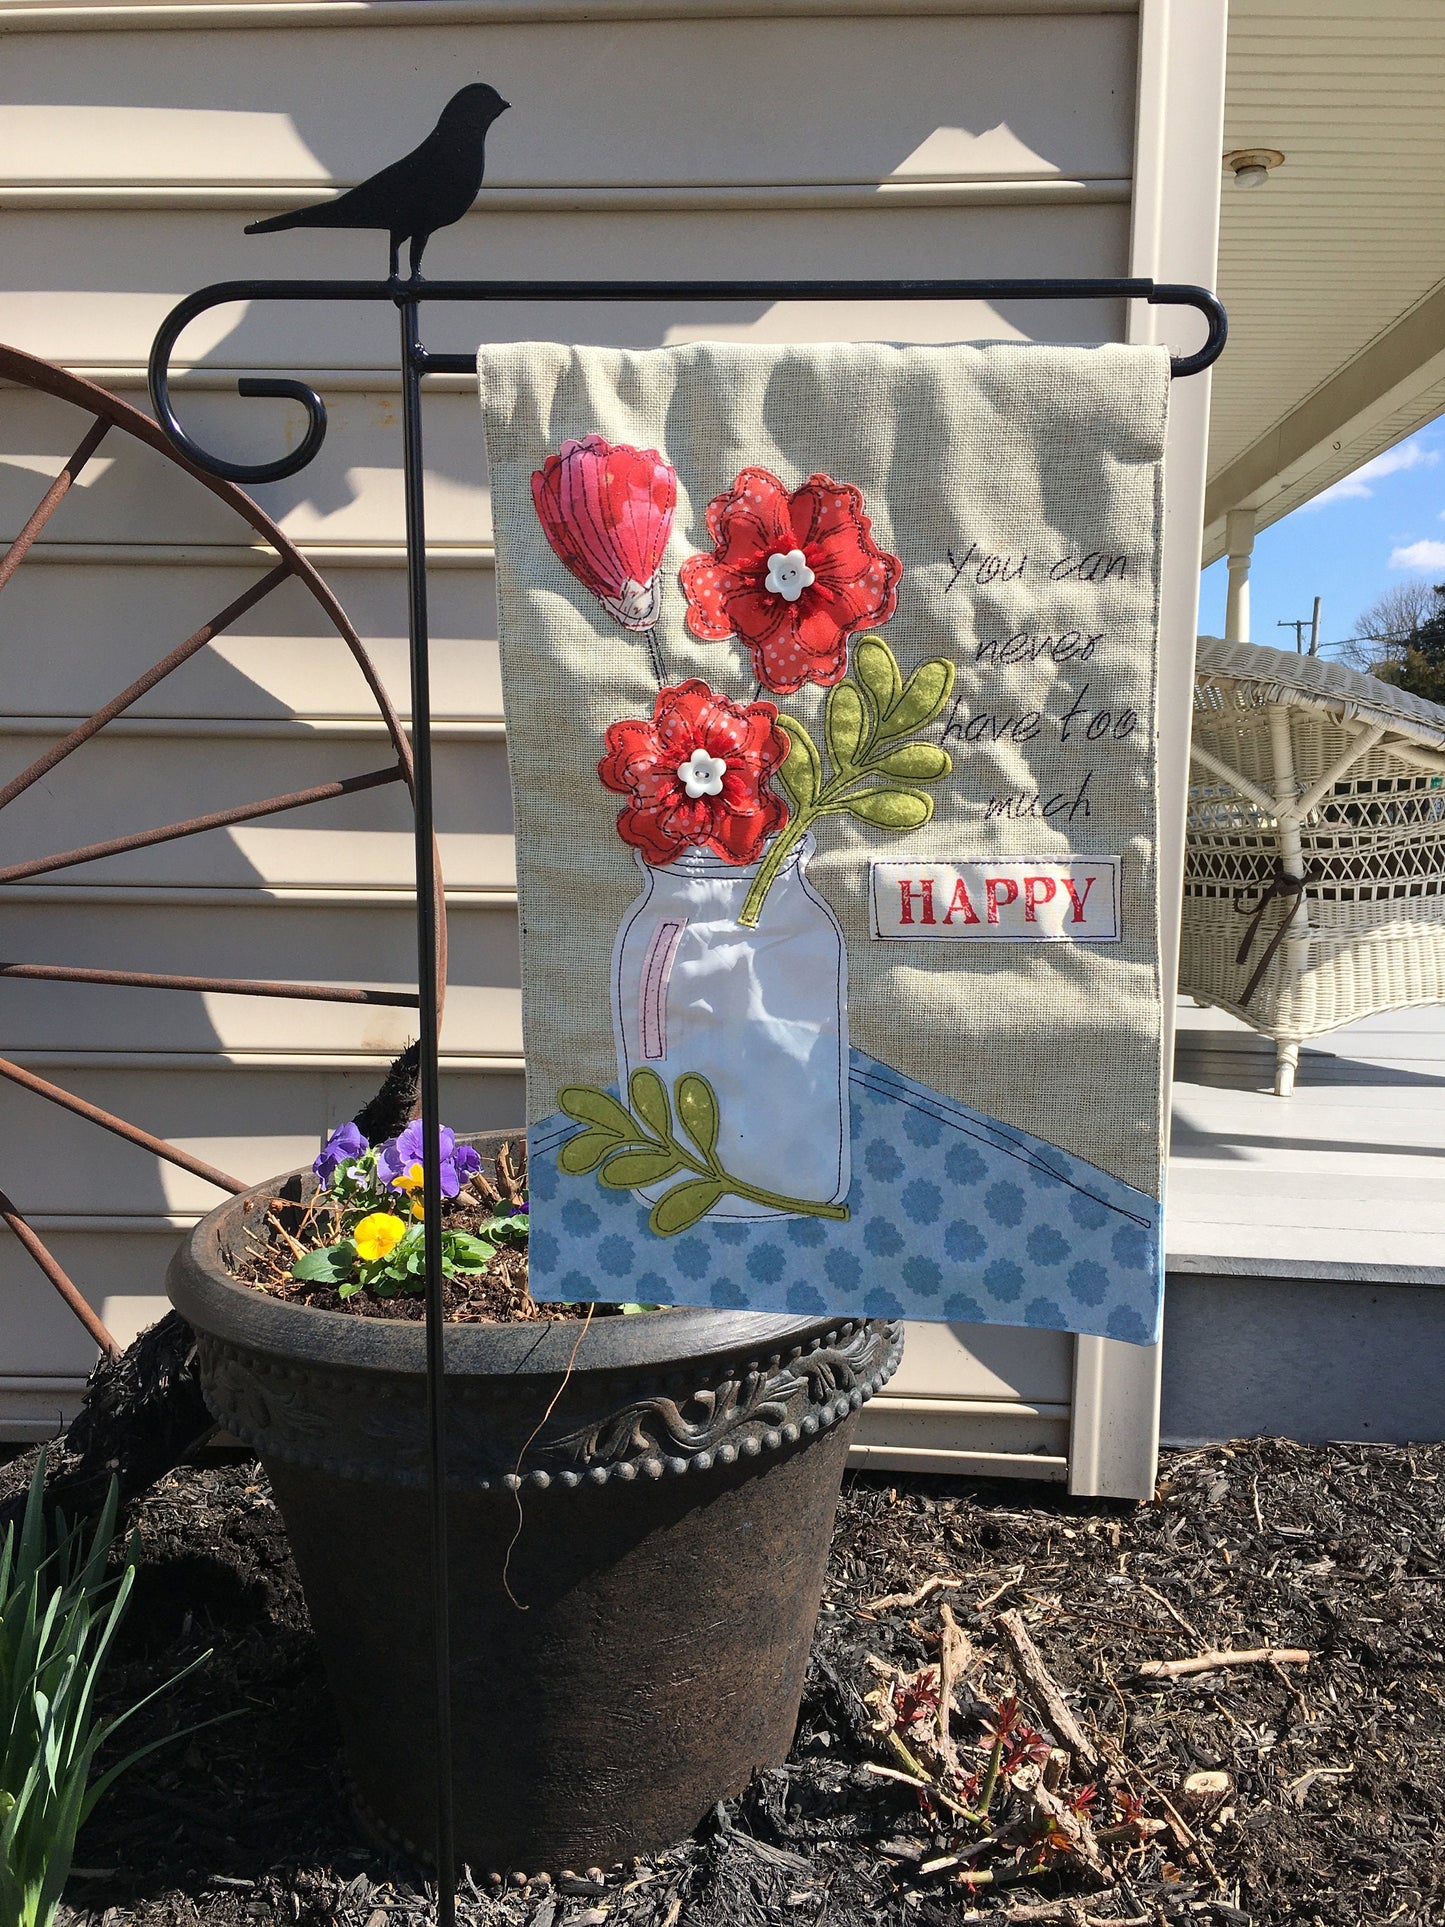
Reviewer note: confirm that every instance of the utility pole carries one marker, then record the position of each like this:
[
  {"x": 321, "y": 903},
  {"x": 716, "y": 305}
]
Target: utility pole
[{"x": 1312, "y": 623}]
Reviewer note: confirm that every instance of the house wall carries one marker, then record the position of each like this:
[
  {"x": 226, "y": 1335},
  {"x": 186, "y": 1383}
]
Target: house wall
[{"x": 658, "y": 137}]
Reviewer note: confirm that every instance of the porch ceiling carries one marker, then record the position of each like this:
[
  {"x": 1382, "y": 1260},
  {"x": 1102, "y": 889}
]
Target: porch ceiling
[{"x": 1332, "y": 271}]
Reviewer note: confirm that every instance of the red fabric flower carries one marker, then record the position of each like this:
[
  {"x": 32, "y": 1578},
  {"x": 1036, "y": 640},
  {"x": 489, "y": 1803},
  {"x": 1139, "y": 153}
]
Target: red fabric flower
[
  {"x": 698, "y": 773},
  {"x": 793, "y": 575}
]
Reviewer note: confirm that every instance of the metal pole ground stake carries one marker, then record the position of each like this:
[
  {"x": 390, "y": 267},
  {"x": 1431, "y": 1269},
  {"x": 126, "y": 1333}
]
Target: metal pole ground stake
[{"x": 428, "y": 1027}]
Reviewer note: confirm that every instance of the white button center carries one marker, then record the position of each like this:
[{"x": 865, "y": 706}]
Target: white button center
[
  {"x": 701, "y": 774},
  {"x": 788, "y": 575}
]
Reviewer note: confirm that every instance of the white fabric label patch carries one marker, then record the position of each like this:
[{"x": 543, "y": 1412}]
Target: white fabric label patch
[{"x": 998, "y": 900}]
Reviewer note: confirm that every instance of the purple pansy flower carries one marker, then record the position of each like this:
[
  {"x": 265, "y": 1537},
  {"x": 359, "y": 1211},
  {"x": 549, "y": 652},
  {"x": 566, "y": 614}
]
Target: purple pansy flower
[
  {"x": 399, "y": 1163},
  {"x": 344, "y": 1144}
]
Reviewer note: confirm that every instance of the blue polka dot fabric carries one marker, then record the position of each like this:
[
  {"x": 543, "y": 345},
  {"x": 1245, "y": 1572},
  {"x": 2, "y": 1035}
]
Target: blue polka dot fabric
[{"x": 953, "y": 1217}]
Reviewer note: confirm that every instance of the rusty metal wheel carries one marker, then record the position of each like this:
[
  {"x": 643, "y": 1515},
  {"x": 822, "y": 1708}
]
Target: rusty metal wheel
[{"x": 117, "y": 425}]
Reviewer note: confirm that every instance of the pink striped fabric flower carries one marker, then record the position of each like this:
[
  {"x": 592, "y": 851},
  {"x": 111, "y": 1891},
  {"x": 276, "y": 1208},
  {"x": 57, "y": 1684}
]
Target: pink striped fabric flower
[{"x": 607, "y": 511}]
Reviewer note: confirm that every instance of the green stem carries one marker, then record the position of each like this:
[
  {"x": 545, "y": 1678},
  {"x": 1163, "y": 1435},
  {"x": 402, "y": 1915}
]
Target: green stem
[
  {"x": 783, "y": 844},
  {"x": 991, "y": 1782},
  {"x": 738, "y": 1188},
  {"x": 805, "y": 1209},
  {"x": 828, "y": 799}
]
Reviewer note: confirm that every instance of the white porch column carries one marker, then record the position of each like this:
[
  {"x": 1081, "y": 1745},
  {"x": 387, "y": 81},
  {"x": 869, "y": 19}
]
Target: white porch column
[{"x": 1239, "y": 540}]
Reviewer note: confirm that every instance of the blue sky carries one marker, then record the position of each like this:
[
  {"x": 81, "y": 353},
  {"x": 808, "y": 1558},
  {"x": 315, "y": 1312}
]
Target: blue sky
[{"x": 1379, "y": 527}]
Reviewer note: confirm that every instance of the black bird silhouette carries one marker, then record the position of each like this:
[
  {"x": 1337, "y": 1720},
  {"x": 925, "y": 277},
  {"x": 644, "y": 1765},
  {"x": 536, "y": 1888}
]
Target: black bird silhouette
[{"x": 427, "y": 189}]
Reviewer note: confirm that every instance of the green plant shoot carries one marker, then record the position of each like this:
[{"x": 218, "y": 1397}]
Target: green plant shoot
[{"x": 59, "y": 1613}]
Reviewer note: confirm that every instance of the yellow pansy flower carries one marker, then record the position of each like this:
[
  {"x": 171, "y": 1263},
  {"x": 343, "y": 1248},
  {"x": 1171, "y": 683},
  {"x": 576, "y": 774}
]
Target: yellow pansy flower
[
  {"x": 377, "y": 1235},
  {"x": 408, "y": 1180}
]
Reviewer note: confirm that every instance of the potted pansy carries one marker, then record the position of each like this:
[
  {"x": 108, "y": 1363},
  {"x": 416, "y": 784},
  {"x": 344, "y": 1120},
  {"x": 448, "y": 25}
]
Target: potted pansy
[{"x": 616, "y": 1476}]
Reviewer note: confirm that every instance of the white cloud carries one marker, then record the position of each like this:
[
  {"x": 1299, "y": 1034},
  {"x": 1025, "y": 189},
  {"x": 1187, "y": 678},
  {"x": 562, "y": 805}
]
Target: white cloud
[
  {"x": 1359, "y": 485},
  {"x": 1419, "y": 555}
]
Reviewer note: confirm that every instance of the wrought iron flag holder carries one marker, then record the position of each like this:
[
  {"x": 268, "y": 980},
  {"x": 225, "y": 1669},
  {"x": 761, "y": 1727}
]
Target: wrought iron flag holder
[{"x": 415, "y": 361}]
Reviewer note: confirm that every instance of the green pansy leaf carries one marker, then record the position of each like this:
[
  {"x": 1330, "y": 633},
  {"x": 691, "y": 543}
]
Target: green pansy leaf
[
  {"x": 625, "y": 1170},
  {"x": 914, "y": 762},
  {"x": 876, "y": 669},
  {"x": 591, "y": 1106},
  {"x": 649, "y": 1101},
  {"x": 697, "y": 1107},
  {"x": 468, "y": 1253},
  {"x": 891, "y": 809},
  {"x": 327, "y": 1267},
  {"x": 348, "y": 1290},
  {"x": 684, "y": 1205},
  {"x": 801, "y": 770},
  {"x": 924, "y": 695},
  {"x": 845, "y": 724},
  {"x": 585, "y": 1152}
]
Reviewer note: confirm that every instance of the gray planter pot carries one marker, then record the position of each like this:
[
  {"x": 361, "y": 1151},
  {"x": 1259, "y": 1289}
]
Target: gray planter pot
[{"x": 675, "y": 1513}]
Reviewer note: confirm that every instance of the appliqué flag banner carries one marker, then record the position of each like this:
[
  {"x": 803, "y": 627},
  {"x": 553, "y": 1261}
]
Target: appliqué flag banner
[{"x": 829, "y": 677}]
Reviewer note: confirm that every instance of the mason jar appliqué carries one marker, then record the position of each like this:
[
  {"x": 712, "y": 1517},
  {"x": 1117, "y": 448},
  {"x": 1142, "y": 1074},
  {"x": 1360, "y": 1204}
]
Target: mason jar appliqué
[{"x": 762, "y": 1014}]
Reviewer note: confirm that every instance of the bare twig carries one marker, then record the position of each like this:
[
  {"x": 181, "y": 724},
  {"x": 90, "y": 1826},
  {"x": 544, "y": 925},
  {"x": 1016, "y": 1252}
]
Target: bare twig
[
  {"x": 1214, "y": 1662},
  {"x": 1188, "y": 1839},
  {"x": 921, "y": 1783},
  {"x": 937, "y": 1583},
  {"x": 280, "y": 1230},
  {"x": 1073, "y": 1823},
  {"x": 1173, "y": 1612},
  {"x": 1069, "y": 1913},
  {"x": 950, "y": 1862},
  {"x": 955, "y": 1655},
  {"x": 999, "y": 1591},
  {"x": 1031, "y": 1669}
]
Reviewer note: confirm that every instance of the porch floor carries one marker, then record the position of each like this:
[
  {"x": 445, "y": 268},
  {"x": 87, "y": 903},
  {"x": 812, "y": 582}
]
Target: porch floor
[{"x": 1340, "y": 1181}]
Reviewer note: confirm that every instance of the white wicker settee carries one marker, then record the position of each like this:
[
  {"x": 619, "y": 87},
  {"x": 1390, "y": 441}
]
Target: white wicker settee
[{"x": 1314, "y": 878}]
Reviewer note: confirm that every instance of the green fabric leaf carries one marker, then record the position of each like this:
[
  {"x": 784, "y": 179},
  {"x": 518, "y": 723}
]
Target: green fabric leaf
[
  {"x": 845, "y": 724},
  {"x": 891, "y": 809},
  {"x": 914, "y": 762},
  {"x": 924, "y": 695},
  {"x": 801, "y": 770},
  {"x": 697, "y": 1107},
  {"x": 591, "y": 1106},
  {"x": 649, "y": 1101},
  {"x": 585, "y": 1152},
  {"x": 625, "y": 1170},
  {"x": 876, "y": 669},
  {"x": 327, "y": 1267},
  {"x": 684, "y": 1205}
]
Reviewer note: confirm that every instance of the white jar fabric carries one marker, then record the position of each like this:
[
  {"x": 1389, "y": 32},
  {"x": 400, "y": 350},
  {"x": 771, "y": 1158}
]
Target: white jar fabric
[{"x": 689, "y": 982}]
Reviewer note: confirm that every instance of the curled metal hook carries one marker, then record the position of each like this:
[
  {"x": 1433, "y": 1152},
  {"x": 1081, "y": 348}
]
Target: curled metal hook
[
  {"x": 1181, "y": 295},
  {"x": 248, "y": 386}
]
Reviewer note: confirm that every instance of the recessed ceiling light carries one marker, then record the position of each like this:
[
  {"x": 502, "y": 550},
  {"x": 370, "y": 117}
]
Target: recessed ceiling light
[{"x": 1251, "y": 165}]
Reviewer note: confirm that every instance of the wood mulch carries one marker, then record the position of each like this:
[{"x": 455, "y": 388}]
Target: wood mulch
[{"x": 1332, "y": 1811}]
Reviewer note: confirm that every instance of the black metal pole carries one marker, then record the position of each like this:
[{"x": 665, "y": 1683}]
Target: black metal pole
[{"x": 429, "y": 1025}]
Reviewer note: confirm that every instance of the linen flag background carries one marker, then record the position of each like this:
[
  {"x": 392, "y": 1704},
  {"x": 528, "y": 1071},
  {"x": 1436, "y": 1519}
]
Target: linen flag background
[{"x": 829, "y": 676}]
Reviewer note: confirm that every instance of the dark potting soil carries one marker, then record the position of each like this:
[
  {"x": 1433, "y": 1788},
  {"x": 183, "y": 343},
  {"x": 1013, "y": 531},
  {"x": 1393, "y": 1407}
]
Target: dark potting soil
[{"x": 1334, "y": 1812}]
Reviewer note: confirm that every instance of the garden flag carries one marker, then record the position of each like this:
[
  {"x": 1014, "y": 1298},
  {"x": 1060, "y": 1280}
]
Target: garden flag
[{"x": 829, "y": 677}]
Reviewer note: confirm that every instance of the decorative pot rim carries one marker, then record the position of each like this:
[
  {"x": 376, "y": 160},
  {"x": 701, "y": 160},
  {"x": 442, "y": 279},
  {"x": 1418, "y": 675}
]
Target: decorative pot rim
[{"x": 674, "y": 1390}]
